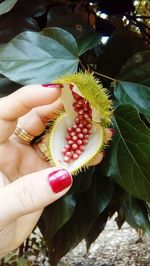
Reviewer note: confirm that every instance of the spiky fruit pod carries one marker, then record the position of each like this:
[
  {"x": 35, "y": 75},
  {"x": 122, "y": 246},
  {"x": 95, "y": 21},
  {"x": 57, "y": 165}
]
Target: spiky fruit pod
[{"x": 77, "y": 135}]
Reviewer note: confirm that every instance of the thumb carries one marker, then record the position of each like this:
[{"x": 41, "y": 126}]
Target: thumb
[{"x": 33, "y": 192}]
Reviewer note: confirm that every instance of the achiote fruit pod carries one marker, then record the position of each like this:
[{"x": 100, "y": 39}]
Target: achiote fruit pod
[{"x": 76, "y": 137}]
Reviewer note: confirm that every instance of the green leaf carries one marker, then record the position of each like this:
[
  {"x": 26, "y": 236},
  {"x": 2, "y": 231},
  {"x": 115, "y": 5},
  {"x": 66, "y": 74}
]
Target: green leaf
[
  {"x": 62, "y": 37},
  {"x": 89, "y": 205},
  {"x": 126, "y": 212},
  {"x": 134, "y": 94},
  {"x": 7, "y": 86},
  {"x": 140, "y": 214},
  {"x": 35, "y": 58},
  {"x": 97, "y": 227},
  {"x": 137, "y": 68},
  {"x": 6, "y": 6},
  {"x": 129, "y": 163},
  {"x": 56, "y": 215},
  {"x": 87, "y": 41},
  {"x": 82, "y": 181}
]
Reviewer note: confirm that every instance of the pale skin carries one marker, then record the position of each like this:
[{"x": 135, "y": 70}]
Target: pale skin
[{"x": 24, "y": 188}]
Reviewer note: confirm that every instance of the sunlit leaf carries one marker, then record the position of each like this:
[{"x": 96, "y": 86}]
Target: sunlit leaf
[
  {"x": 35, "y": 58},
  {"x": 6, "y": 6}
]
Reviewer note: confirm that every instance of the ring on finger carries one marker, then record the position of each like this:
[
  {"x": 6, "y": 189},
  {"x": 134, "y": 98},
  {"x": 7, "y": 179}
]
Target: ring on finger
[
  {"x": 43, "y": 149},
  {"x": 23, "y": 135}
]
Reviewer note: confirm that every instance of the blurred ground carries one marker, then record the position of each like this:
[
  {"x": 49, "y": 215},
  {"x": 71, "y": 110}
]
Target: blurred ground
[{"x": 112, "y": 248}]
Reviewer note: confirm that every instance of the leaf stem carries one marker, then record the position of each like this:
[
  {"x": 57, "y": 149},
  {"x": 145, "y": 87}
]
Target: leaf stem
[
  {"x": 102, "y": 75},
  {"x": 99, "y": 74}
]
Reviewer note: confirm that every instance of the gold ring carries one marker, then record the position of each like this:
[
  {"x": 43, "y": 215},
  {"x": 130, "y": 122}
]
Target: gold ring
[
  {"x": 43, "y": 149},
  {"x": 23, "y": 135}
]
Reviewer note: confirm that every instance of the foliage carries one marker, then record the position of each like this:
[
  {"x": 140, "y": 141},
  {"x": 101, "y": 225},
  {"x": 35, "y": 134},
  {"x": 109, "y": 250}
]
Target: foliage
[{"x": 50, "y": 38}]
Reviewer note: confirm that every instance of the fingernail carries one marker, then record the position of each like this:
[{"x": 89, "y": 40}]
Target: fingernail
[
  {"x": 59, "y": 180},
  {"x": 53, "y": 85}
]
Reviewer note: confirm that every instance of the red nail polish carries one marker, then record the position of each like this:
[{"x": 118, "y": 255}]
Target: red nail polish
[
  {"x": 59, "y": 180},
  {"x": 59, "y": 86}
]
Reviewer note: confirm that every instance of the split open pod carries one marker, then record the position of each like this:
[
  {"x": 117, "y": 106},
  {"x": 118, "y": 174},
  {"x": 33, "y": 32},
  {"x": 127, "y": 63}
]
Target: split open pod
[{"x": 76, "y": 136}]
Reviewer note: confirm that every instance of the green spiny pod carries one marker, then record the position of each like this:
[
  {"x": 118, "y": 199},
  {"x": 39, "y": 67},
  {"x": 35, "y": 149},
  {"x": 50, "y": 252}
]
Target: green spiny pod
[{"x": 76, "y": 136}]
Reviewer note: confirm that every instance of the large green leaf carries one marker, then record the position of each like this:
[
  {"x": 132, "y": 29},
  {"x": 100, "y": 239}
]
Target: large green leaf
[
  {"x": 134, "y": 94},
  {"x": 126, "y": 213},
  {"x": 89, "y": 205},
  {"x": 35, "y": 58},
  {"x": 56, "y": 215},
  {"x": 137, "y": 68},
  {"x": 6, "y": 6},
  {"x": 129, "y": 163}
]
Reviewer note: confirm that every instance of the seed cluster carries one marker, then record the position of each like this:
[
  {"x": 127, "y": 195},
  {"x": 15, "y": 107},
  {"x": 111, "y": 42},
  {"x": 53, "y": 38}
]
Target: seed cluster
[{"x": 80, "y": 132}]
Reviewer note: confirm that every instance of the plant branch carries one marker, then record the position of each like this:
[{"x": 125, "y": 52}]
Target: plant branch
[{"x": 107, "y": 77}]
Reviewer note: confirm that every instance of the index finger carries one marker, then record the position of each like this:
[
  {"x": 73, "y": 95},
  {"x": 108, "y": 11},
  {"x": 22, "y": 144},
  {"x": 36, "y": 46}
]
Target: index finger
[{"x": 21, "y": 102}]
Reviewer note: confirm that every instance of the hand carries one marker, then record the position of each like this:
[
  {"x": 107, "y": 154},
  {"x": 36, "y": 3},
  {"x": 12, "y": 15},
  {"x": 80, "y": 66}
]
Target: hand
[{"x": 27, "y": 183}]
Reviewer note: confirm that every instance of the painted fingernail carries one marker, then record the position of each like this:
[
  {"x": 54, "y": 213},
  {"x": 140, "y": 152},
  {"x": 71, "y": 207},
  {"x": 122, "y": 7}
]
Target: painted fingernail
[
  {"x": 53, "y": 85},
  {"x": 59, "y": 180}
]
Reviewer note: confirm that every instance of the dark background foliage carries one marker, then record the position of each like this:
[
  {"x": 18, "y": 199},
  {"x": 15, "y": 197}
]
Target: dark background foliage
[{"x": 72, "y": 32}]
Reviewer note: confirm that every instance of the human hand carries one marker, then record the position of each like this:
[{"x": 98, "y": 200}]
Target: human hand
[{"x": 27, "y": 183}]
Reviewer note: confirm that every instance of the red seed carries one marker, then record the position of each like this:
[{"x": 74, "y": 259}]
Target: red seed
[
  {"x": 80, "y": 135},
  {"x": 80, "y": 126},
  {"x": 86, "y": 136},
  {"x": 64, "y": 151},
  {"x": 78, "y": 130},
  {"x": 81, "y": 112},
  {"x": 74, "y": 146},
  {"x": 68, "y": 153},
  {"x": 77, "y": 120},
  {"x": 75, "y": 95},
  {"x": 78, "y": 105},
  {"x": 67, "y": 147},
  {"x": 75, "y": 126},
  {"x": 68, "y": 138},
  {"x": 84, "y": 141},
  {"x": 69, "y": 129},
  {"x": 79, "y": 142},
  {"x": 76, "y": 109},
  {"x": 74, "y": 105},
  {"x": 84, "y": 123},
  {"x": 78, "y": 152},
  {"x": 81, "y": 101},
  {"x": 81, "y": 117},
  {"x": 73, "y": 133},
  {"x": 81, "y": 148},
  {"x": 74, "y": 138},
  {"x": 84, "y": 130},
  {"x": 75, "y": 156},
  {"x": 86, "y": 116},
  {"x": 89, "y": 126},
  {"x": 70, "y": 142},
  {"x": 67, "y": 159}
]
